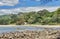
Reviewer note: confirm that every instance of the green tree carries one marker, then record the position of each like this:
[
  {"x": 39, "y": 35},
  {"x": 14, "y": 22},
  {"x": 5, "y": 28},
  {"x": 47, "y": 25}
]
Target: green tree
[{"x": 5, "y": 20}]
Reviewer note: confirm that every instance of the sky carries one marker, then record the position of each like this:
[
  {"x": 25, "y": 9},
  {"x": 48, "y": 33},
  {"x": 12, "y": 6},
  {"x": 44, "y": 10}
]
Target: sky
[{"x": 15, "y": 6}]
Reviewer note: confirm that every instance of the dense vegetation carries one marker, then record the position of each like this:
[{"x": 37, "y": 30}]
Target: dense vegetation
[{"x": 42, "y": 17}]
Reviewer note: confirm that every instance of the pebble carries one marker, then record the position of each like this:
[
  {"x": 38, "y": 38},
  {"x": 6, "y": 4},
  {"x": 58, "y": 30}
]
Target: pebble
[{"x": 54, "y": 34}]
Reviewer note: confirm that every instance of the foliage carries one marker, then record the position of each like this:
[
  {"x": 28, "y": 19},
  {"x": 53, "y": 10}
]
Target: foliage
[{"x": 42, "y": 17}]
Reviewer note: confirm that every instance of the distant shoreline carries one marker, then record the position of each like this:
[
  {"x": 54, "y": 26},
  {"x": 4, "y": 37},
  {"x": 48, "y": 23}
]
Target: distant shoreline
[{"x": 47, "y": 26}]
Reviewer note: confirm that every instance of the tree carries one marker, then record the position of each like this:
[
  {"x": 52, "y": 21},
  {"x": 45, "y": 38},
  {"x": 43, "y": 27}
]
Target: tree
[
  {"x": 43, "y": 12},
  {"x": 20, "y": 22},
  {"x": 5, "y": 20},
  {"x": 21, "y": 19},
  {"x": 14, "y": 18},
  {"x": 58, "y": 15}
]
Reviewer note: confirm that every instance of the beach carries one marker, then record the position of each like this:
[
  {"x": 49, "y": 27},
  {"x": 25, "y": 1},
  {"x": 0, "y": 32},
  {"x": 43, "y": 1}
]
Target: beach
[
  {"x": 45, "y": 34},
  {"x": 29, "y": 32},
  {"x": 47, "y": 26}
]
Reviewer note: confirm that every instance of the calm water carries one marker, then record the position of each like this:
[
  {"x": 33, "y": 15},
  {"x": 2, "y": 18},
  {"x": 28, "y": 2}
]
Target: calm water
[{"x": 22, "y": 28}]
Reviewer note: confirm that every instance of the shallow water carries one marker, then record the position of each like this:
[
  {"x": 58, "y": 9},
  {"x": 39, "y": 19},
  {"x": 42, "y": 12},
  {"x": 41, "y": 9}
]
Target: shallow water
[{"x": 22, "y": 28}]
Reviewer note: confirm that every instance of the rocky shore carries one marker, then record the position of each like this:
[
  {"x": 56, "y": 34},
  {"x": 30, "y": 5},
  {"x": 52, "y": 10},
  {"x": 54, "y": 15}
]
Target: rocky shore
[{"x": 45, "y": 34}]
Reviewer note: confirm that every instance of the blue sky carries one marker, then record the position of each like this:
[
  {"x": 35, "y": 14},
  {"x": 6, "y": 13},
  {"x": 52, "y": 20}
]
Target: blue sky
[
  {"x": 32, "y": 3},
  {"x": 14, "y": 6}
]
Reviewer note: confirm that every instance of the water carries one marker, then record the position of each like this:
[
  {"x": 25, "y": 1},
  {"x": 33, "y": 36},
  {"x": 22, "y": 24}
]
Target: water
[{"x": 22, "y": 28}]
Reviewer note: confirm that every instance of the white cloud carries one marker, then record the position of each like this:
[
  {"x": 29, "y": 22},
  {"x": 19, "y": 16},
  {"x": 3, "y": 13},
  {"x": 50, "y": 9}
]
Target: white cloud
[
  {"x": 8, "y": 2},
  {"x": 26, "y": 9}
]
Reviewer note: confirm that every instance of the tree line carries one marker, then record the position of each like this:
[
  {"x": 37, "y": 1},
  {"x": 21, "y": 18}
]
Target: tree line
[{"x": 42, "y": 17}]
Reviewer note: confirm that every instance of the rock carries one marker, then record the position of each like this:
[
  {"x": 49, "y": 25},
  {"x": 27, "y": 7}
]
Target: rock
[{"x": 54, "y": 34}]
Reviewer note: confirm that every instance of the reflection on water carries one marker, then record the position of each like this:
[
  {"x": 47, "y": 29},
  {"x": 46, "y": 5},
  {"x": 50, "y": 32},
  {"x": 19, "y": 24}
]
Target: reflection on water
[{"x": 22, "y": 28}]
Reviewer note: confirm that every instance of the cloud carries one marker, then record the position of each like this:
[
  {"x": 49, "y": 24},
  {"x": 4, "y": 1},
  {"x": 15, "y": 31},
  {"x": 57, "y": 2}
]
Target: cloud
[
  {"x": 26, "y": 9},
  {"x": 8, "y": 2}
]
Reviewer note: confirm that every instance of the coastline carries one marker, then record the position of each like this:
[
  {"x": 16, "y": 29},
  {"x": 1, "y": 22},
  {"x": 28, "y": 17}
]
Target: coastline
[
  {"x": 47, "y": 26},
  {"x": 28, "y": 34}
]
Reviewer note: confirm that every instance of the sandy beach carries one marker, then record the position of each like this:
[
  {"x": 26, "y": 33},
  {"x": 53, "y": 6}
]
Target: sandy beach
[{"x": 47, "y": 26}]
